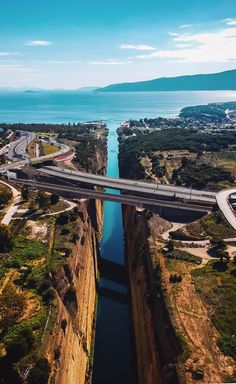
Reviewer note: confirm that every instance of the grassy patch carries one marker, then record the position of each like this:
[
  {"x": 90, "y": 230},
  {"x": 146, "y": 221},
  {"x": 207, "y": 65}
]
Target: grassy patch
[
  {"x": 178, "y": 254},
  {"x": 218, "y": 290},
  {"x": 48, "y": 149},
  {"x": 223, "y": 159},
  {"x": 210, "y": 226},
  {"x": 186, "y": 350},
  {"x": 24, "y": 251}
]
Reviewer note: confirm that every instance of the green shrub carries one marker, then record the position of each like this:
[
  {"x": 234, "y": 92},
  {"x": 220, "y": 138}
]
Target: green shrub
[
  {"x": 227, "y": 344},
  {"x": 49, "y": 295},
  {"x": 17, "y": 349},
  {"x": 6, "y": 238},
  {"x": 65, "y": 231},
  {"x": 40, "y": 373}
]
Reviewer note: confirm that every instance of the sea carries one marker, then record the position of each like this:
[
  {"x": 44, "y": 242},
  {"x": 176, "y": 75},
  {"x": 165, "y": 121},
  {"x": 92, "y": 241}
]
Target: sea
[{"x": 114, "y": 361}]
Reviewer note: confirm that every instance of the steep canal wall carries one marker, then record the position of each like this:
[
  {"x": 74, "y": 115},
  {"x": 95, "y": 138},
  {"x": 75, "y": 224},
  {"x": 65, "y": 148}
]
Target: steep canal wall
[
  {"x": 156, "y": 344},
  {"x": 70, "y": 345}
]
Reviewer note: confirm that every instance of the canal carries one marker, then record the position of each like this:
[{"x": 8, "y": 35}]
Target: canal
[{"x": 113, "y": 351}]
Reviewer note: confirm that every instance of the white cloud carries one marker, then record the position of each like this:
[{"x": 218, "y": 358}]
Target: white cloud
[
  {"x": 5, "y": 54},
  {"x": 38, "y": 43},
  {"x": 138, "y": 47},
  {"x": 173, "y": 34},
  {"x": 185, "y": 26},
  {"x": 183, "y": 45},
  {"x": 216, "y": 46},
  {"x": 14, "y": 68},
  {"x": 110, "y": 62},
  {"x": 230, "y": 21},
  {"x": 64, "y": 62}
]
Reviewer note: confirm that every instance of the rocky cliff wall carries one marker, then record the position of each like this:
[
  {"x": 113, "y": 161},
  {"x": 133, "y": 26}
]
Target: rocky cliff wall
[
  {"x": 69, "y": 347},
  {"x": 155, "y": 342}
]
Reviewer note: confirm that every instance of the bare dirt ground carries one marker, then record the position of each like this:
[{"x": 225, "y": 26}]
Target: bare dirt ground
[
  {"x": 32, "y": 306},
  {"x": 8, "y": 277},
  {"x": 38, "y": 230},
  {"x": 192, "y": 318}
]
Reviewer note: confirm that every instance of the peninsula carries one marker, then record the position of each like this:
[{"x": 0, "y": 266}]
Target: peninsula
[{"x": 202, "y": 82}]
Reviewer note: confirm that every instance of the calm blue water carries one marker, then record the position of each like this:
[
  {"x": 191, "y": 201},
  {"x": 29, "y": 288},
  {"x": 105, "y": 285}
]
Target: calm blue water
[
  {"x": 82, "y": 106},
  {"x": 112, "y": 364}
]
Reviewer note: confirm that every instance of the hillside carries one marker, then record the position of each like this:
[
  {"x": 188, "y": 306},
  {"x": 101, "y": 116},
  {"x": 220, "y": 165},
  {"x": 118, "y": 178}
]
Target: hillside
[{"x": 215, "y": 81}]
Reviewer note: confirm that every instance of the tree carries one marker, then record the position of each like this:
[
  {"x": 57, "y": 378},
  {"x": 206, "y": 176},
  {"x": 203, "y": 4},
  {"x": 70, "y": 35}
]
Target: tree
[
  {"x": 63, "y": 218},
  {"x": 42, "y": 199},
  {"x": 49, "y": 295},
  {"x": 54, "y": 198},
  {"x": 171, "y": 245},
  {"x": 17, "y": 349},
  {"x": 12, "y": 304},
  {"x": 20, "y": 344},
  {"x": 40, "y": 373},
  {"x": 5, "y": 196},
  {"x": 222, "y": 254},
  {"x": 184, "y": 162},
  {"x": 25, "y": 192},
  {"x": 175, "y": 175},
  {"x": 217, "y": 243},
  {"x": 6, "y": 238}
]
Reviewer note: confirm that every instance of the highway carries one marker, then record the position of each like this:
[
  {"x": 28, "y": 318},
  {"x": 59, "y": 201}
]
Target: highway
[
  {"x": 105, "y": 196},
  {"x": 132, "y": 185},
  {"x": 223, "y": 201},
  {"x": 19, "y": 147},
  {"x": 184, "y": 198}
]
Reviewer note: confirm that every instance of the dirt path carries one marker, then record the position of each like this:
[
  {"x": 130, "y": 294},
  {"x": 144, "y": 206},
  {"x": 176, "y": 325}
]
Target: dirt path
[
  {"x": 71, "y": 206},
  {"x": 175, "y": 226},
  {"x": 11, "y": 209}
]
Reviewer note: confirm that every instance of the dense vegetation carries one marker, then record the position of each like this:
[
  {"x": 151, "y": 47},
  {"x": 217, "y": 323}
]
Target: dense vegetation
[
  {"x": 177, "y": 139},
  {"x": 214, "y": 111},
  {"x": 200, "y": 175},
  {"x": 5, "y": 194},
  {"x": 86, "y": 150},
  {"x": 57, "y": 128},
  {"x": 133, "y": 148}
]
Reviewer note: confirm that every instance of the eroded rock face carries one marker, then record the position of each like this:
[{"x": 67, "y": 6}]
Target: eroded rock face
[{"x": 69, "y": 346}]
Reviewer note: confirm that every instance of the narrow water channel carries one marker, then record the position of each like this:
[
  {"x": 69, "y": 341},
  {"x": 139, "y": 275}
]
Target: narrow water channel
[{"x": 112, "y": 355}]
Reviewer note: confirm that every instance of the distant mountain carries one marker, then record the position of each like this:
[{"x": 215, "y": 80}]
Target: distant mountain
[
  {"x": 208, "y": 82},
  {"x": 87, "y": 89}
]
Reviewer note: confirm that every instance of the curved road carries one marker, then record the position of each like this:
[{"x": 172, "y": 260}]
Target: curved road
[
  {"x": 19, "y": 147},
  {"x": 225, "y": 206}
]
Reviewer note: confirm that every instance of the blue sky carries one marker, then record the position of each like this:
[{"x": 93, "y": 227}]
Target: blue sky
[{"x": 75, "y": 43}]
